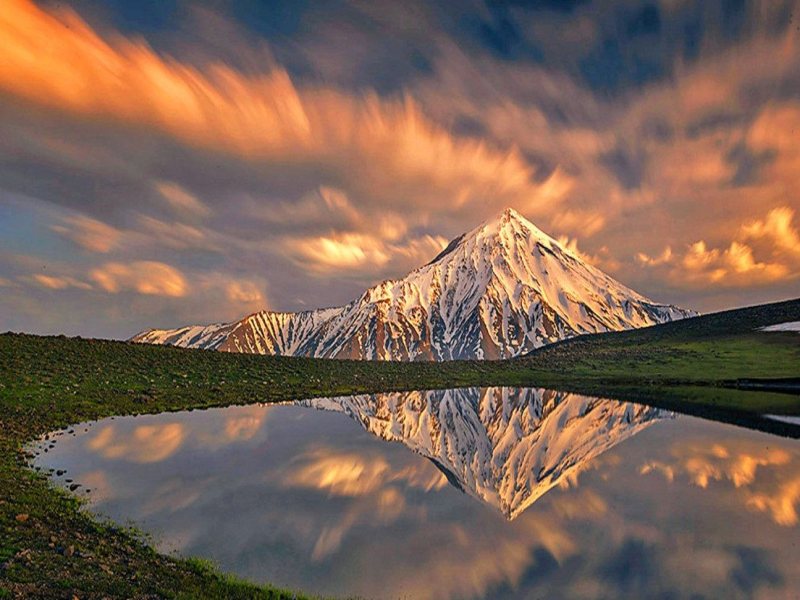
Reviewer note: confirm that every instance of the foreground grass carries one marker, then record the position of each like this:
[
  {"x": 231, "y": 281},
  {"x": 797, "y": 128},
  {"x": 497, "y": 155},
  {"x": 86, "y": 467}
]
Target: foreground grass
[{"x": 51, "y": 548}]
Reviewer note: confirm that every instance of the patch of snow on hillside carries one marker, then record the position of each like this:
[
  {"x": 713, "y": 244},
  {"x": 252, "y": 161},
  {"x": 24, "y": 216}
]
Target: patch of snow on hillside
[{"x": 788, "y": 326}]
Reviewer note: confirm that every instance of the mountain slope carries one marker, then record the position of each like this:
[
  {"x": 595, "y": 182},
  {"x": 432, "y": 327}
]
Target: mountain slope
[
  {"x": 499, "y": 291},
  {"x": 504, "y": 446}
]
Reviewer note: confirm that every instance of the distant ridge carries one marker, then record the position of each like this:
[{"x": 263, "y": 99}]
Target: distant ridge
[{"x": 499, "y": 291}]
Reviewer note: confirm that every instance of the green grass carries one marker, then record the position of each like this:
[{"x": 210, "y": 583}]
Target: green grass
[
  {"x": 706, "y": 350},
  {"x": 48, "y": 383}
]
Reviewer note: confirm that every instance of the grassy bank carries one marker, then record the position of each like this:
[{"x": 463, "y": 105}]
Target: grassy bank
[
  {"x": 50, "y": 548},
  {"x": 712, "y": 349}
]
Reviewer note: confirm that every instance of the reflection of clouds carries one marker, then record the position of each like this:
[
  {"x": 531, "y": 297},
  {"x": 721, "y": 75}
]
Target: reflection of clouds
[
  {"x": 466, "y": 558},
  {"x": 456, "y": 566},
  {"x": 742, "y": 464},
  {"x": 781, "y": 504},
  {"x": 245, "y": 423},
  {"x": 351, "y": 474},
  {"x": 329, "y": 508},
  {"x": 385, "y": 506},
  {"x": 374, "y": 490},
  {"x": 465, "y": 553},
  {"x": 507, "y": 447},
  {"x": 145, "y": 444},
  {"x": 97, "y": 482},
  {"x": 339, "y": 474},
  {"x": 174, "y": 495}
]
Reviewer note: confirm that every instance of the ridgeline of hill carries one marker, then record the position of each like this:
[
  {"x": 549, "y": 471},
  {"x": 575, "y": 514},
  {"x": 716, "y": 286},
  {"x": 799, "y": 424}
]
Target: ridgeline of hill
[{"x": 51, "y": 548}]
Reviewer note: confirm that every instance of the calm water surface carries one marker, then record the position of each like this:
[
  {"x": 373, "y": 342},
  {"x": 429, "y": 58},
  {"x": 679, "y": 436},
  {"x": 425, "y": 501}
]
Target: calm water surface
[{"x": 472, "y": 493}]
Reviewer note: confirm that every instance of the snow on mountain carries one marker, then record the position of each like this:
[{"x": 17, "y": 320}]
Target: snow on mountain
[
  {"x": 504, "y": 446},
  {"x": 499, "y": 291}
]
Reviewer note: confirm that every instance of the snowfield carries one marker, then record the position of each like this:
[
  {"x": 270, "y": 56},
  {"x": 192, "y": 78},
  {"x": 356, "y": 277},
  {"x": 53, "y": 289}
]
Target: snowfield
[{"x": 788, "y": 326}]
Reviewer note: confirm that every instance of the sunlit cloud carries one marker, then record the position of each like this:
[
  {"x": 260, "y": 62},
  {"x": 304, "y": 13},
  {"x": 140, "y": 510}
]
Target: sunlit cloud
[
  {"x": 361, "y": 252},
  {"x": 602, "y": 259},
  {"x": 729, "y": 265},
  {"x": 89, "y": 233},
  {"x": 174, "y": 496},
  {"x": 775, "y": 238},
  {"x": 343, "y": 474},
  {"x": 57, "y": 60},
  {"x": 340, "y": 251},
  {"x": 778, "y": 228},
  {"x": 182, "y": 201},
  {"x": 145, "y": 277},
  {"x": 57, "y": 282},
  {"x": 660, "y": 259},
  {"x": 169, "y": 234}
]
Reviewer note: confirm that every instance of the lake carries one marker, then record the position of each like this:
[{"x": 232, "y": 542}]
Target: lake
[{"x": 466, "y": 493}]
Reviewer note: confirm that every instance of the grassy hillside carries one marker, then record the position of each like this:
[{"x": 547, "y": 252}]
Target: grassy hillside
[
  {"x": 50, "y": 548},
  {"x": 707, "y": 349}
]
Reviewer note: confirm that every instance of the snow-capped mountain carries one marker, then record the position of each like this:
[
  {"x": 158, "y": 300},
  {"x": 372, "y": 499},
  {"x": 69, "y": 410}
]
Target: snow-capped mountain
[
  {"x": 498, "y": 291},
  {"x": 504, "y": 446}
]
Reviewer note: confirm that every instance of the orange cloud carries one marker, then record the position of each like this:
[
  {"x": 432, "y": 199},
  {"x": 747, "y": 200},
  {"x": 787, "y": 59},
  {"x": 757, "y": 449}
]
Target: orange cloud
[
  {"x": 601, "y": 260},
  {"x": 182, "y": 202},
  {"x": 736, "y": 265},
  {"x": 387, "y": 148},
  {"x": 245, "y": 423},
  {"x": 776, "y": 227},
  {"x": 352, "y": 252},
  {"x": 57, "y": 282},
  {"x": 663, "y": 258},
  {"x": 340, "y": 251},
  {"x": 169, "y": 234},
  {"x": 88, "y": 233},
  {"x": 587, "y": 222},
  {"x": 145, "y": 277}
]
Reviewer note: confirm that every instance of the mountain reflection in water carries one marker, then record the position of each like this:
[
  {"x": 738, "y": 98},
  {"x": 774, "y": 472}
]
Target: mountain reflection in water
[
  {"x": 484, "y": 493},
  {"x": 504, "y": 446}
]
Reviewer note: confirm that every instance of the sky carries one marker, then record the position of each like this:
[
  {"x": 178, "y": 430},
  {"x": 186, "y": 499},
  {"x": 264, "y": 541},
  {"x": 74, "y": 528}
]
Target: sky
[{"x": 165, "y": 162}]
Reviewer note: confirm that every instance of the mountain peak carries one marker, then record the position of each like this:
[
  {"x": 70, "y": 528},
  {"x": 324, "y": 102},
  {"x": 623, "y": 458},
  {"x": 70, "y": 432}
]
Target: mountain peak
[
  {"x": 506, "y": 217},
  {"x": 511, "y": 222},
  {"x": 498, "y": 291},
  {"x": 510, "y": 213}
]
